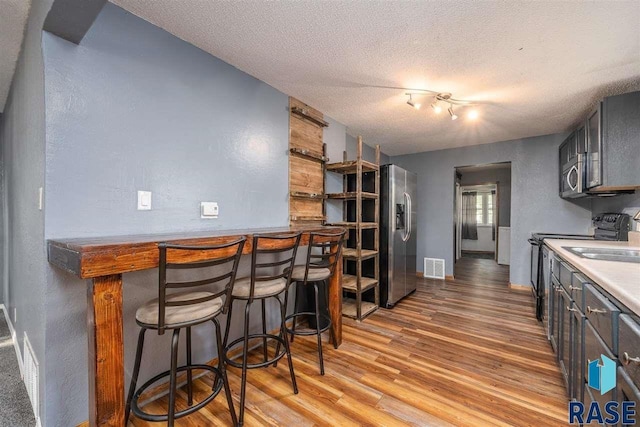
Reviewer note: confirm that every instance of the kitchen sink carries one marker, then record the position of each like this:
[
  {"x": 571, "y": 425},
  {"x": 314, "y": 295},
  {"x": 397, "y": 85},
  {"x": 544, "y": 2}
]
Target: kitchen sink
[{"x": 606, "y": 254}]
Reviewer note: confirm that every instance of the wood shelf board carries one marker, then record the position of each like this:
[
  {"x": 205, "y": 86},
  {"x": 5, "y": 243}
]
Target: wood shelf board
[
  {"x": 308, "y": 218},
  {"x": 308, "y": 154},
  {"x": 304, "y": 195},
  {"x": 364, "y": 225},
  {"x": 351, "y": 195},
  {"x": 349, "y": 308},
  {"x": 349, "y": 283},
  {"x": 351, "y": 253},
  {"x": 308, "y": 115},
  {"x": 350, "y": 167}
]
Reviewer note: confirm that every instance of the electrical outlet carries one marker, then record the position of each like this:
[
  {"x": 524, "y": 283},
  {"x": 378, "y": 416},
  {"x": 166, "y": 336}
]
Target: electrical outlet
[{"x": 208, "y": 210}]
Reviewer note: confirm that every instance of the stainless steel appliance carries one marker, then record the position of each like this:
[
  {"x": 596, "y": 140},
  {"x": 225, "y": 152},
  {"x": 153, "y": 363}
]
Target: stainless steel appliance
[
  {"x": 397, "y": 234},
  {"x": 609, "y": 226},
  {"x": 572, "y": 165},
  {"x": 539, "y": 279}
]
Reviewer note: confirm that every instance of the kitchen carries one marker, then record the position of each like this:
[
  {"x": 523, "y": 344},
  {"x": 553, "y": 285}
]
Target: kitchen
[{"x": 136, "y": 123}]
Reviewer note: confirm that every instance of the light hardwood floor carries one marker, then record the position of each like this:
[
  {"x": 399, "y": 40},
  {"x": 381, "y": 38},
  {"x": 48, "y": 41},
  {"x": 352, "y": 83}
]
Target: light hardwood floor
[{"x": 467, "y": 352}]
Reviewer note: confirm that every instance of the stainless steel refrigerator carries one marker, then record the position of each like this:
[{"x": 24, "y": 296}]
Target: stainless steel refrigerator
[{"x": 397, "y": 234}]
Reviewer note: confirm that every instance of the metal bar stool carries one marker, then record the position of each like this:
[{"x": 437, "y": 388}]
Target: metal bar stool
[
  {"x": 268, "y": 279},
  {"x": 175, "y": 311},
  {"x": 320, "y": 266}
]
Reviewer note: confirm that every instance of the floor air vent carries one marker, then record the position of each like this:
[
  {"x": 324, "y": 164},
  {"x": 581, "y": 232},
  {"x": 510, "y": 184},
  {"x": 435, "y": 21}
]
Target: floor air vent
[
  {"x": 434, "y": 268},
  {"x": 31, "y": 376}
]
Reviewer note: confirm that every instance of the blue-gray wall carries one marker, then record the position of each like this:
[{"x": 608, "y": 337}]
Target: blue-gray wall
[
  {"x": 135, "y": 108},
  {"x": 368, "y": 152},
  {"x": 535, "y": 204},
  {"x": 616, "y": 204},
  {"x": 22, "y": 137}
]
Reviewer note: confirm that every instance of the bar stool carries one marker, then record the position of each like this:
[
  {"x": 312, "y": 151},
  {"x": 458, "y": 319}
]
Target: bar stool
[
  {"x": 182, "y": 310},
  {"x": 268, "y": 279},
  {"x": 319, "y": 267}
]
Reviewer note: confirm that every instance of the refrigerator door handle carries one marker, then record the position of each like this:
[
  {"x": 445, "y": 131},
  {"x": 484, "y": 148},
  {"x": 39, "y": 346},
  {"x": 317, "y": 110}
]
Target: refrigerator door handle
[{"x": 407, "y": 235}]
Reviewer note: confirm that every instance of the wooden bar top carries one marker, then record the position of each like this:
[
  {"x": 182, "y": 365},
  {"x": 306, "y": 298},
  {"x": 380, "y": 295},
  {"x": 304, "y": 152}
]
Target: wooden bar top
[{"x": 101, "y": 256}]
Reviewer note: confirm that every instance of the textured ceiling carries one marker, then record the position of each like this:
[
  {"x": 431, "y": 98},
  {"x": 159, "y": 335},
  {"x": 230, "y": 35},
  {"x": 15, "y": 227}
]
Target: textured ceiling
[
  {"x": 13, "y": 16},
  {"x": 537, "y": 67}
]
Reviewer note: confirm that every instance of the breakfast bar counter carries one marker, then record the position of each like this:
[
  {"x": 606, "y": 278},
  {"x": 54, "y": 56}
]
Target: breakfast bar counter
[{"x": 104, "y": 260}]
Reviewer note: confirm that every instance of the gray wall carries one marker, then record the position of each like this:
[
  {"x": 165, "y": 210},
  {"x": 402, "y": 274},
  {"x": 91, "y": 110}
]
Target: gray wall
[
  {"x": 135, "y": 108},
  {"x": 535, "y": 204},
  {"x": 616, "y": 204},
  {"x": 22, "y": 136},
  {"x": 503, "y": 178},
  {"x": 167, "y": 118},
  {"x": 334, "y": 136},
  {"x": 368, "y": 152}
]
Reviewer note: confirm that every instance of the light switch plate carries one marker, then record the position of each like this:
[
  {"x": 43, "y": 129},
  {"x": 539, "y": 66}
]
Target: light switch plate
[
  {"x": 144, "y": 200},
  {"x": 40, "y": 198},
  {"x": 208, "y": 210}
]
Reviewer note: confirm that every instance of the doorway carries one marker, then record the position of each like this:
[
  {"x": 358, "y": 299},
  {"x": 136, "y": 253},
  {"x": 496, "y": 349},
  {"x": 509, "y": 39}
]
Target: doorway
[{"x": 482, "y": 213}]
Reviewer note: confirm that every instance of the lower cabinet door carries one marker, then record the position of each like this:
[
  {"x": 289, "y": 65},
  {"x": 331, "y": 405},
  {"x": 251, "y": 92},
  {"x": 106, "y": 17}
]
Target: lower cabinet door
[
  {"x": 577, "y": 353},
  {"x": 552, "y": 309},
  {"x": 565, "y": 339},
  {"x": 594, "y": 347},
  {"x": 627, "y": 392}
]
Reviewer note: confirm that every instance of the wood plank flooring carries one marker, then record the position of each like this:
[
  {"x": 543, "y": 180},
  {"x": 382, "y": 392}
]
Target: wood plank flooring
[{"x": 467, "y": 352}]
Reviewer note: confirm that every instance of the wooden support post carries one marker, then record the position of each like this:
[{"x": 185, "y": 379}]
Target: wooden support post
[
  {"x": 335, "y": 301},
  {"x": 106, "y": 355},
  {"x": 359, "y": 229}
]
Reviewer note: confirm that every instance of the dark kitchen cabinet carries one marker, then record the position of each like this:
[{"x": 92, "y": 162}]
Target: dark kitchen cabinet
[
  {"x": 613, "y": 145},
  {"x": 565, "y": 339},
  {"x": 577, "y": 320},
  {"x": 554, "y": 328}
]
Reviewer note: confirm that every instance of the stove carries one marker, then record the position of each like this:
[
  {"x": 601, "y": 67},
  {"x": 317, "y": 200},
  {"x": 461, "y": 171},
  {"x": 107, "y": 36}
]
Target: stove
[{"x": 608, "y": 226}]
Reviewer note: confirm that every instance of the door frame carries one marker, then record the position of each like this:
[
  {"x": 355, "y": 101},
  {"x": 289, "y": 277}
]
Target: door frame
[{"x": 495, "y": 184}]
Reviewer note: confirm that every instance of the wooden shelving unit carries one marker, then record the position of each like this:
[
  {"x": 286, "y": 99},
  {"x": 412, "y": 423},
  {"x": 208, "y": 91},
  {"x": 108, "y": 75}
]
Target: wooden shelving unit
[
  {"x": 307, "y": 161},
  {"x": 360, "y": 214}
]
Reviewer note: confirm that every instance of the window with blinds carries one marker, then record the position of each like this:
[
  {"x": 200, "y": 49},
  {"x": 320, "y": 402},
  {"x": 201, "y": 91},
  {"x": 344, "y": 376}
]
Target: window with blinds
[{"x": 484, "y": 208}]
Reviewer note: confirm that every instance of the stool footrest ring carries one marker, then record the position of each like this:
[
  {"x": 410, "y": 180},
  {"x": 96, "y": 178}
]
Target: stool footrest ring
[
  {"x": 271, "y": 361},
  {"x": 135, "y": 409},
  {"x": 308, "y": 331}
]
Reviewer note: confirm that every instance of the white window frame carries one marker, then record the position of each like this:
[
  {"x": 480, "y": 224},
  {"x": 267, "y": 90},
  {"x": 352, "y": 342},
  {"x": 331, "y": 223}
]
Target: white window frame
[{"x": 485, "y": 208}]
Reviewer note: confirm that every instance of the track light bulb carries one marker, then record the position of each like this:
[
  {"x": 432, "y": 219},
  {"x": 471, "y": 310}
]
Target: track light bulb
[
  {"x": 414, "y": 104},
  {"x": 436, "y": 108},
  {"x": 451, "y": 113},
  {"x": 472, "y": 115}
]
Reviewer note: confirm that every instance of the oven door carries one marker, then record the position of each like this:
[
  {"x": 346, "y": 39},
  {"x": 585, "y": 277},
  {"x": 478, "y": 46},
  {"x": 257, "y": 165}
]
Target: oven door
[{"x": 535, "y": 267}]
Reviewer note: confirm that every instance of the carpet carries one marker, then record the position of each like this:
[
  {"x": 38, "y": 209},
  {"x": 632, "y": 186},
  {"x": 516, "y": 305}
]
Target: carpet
[{"x": 15, "y": 407}]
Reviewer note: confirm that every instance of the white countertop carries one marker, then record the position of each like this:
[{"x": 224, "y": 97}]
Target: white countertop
[{"x": 620, "y": 279}]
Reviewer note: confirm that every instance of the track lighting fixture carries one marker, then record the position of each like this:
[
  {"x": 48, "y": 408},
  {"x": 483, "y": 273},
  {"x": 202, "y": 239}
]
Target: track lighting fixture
[
  {"x": 414, "y": 104},
  {"x": 441, "y": 98},
  {"x": 451, "y": 113}
]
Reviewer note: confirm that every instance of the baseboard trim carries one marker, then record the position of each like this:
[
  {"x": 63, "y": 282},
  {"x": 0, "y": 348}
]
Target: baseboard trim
[
  {"x": 420, "y": 274},
  {"x": 519, "y": 287},
  {"x": 16, "y": 346}
]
